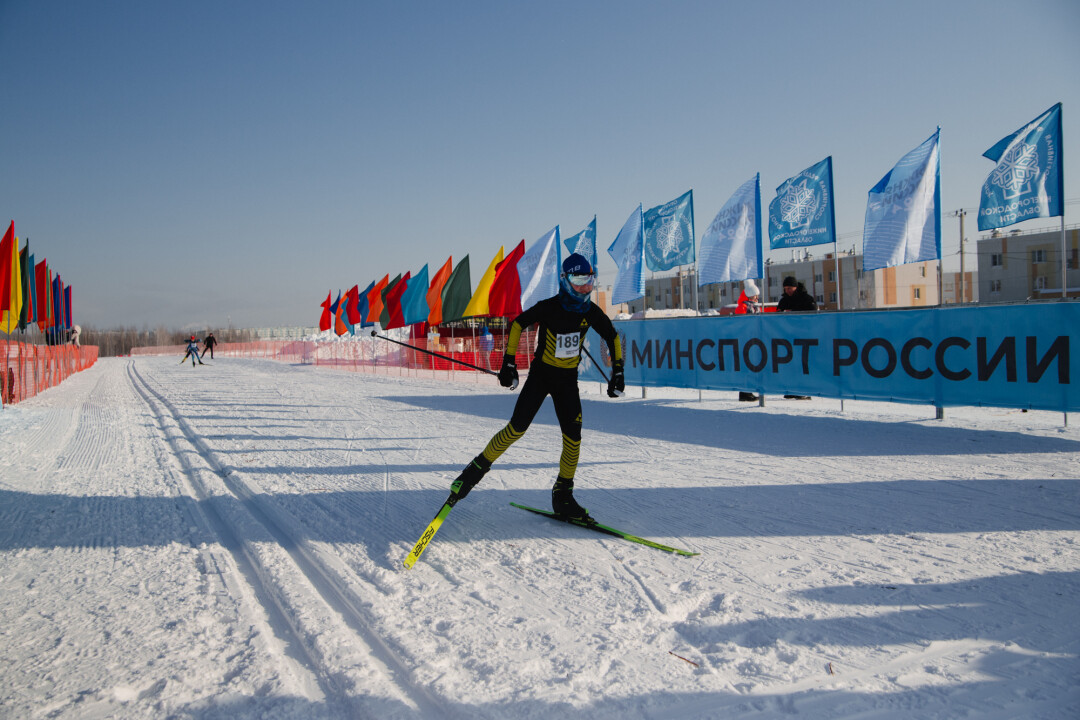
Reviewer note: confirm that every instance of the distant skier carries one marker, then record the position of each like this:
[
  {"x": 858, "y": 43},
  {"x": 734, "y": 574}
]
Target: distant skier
[
  {"x": 193, "y": 351},
  {"x": 208, "y": 345},
  {"x": 563, "y": 321}
]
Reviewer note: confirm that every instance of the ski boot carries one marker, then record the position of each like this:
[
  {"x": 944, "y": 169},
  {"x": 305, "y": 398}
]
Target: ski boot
[
  {"x": 468, "y": 478},
  {"x": 563, "y": 502}
]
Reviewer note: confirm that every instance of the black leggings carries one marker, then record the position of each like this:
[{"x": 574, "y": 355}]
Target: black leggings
[{"x": 563, "y": 389}]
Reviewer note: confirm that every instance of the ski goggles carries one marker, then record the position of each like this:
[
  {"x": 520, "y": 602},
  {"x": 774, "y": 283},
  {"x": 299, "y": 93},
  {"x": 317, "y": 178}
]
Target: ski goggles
[{"x": 582, "y": 283}]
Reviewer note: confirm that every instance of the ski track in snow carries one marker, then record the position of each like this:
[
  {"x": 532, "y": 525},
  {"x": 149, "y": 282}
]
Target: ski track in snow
[{"x": 227, "y": 541}]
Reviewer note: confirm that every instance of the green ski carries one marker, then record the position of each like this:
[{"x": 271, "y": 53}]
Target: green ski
[{"x": 593, "y": 525}]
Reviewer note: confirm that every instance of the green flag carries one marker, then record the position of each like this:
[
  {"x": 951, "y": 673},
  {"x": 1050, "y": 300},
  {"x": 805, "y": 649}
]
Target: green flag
[
  {"x": 457, "y": 292},
  {"x": 384, "y": 316}
]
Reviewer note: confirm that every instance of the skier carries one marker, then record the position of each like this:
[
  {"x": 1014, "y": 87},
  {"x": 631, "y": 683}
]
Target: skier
[
  {"x": 193, "y": 351},
  {"x": 208, "y": 344},
  {"x": 563, "y": 321}
]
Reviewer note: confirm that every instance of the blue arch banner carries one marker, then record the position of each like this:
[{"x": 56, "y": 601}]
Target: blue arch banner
[{"x": 1023, "y": 356}]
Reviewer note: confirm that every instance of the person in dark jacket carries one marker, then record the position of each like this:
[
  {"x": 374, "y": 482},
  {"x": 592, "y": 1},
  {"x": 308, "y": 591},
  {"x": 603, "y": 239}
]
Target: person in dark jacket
[
  {"x": 208, "y": 345},
  {"x": 795, "y": 299},
  {"x": 562, "y": 323}
]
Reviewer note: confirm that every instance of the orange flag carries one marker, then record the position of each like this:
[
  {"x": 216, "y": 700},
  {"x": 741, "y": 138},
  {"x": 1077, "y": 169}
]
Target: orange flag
[
  {"x": 434, "y": 293},
  {"x": 374, "y": 297}
]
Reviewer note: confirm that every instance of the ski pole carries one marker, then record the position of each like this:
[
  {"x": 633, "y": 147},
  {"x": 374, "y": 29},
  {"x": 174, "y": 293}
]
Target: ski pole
[
  {"x": 597, "y": 366},
  {"x": 434, "y": 354}
]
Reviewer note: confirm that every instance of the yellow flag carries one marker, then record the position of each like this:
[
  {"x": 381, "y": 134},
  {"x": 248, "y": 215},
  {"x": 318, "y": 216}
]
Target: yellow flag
[{"x": 478, "y": 306}]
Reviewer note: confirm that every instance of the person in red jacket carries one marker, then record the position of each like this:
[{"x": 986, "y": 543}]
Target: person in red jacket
[{"x": 748, "y": 305}]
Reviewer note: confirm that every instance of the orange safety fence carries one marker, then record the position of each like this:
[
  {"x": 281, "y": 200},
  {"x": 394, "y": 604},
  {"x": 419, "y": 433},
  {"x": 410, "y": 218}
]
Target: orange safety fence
[
  {"x": 294, "y": 351},
  {"x": 27, "y": 369},
  {"x": 375, "y": 355}
]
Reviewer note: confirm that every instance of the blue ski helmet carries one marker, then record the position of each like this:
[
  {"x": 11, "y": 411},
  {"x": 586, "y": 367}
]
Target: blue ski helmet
[
  {"x": 576, "y": 264},
  {"x": 576, "y": 283}
]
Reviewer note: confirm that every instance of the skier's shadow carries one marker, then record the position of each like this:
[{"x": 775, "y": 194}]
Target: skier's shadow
[{"x": 767, "y": 434}]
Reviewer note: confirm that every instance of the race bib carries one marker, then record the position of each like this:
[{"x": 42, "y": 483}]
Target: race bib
[{"x": 567, "y": 345}]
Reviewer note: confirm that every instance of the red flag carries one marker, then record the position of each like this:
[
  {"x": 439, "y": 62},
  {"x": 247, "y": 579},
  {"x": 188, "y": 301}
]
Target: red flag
[
  {"x": 41, "y": 275},
  {"x": 324, "y": 319},
  {"x": 374, "y": 298},
  {"x": 51, "y": 323},
  {"x": 434, "y": 293},
  {"x": 393, "y": 303},
  {"x": 6, "y": 252},
  {"x": 504, "y": 299},
  {"x": 353, "y": 306}
]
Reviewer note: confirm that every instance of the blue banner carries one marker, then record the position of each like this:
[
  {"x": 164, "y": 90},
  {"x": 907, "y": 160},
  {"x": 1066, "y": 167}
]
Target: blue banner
[
  {"x": 1028, "y": 181},
  {"x": 584, "y": 244},
  {"x": 802, "y": 212},
  {"x": 903, "y": 212},
  {"x": 414, "y": 305},
  {"x": 731, "y": 246},
  {"x": 628, "y": 252},
  {"x": 999, "y": 356},
  {"x": 669, "y": 233}
]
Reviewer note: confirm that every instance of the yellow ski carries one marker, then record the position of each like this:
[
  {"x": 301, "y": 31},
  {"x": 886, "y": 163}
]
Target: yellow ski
[{"x": 429, "y": 532}]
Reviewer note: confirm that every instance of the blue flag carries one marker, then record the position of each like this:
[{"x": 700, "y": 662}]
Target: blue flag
[
  {"x": 731, "y": 246},
  {"x": 414, "y": 305},
  {"x": 628, "y": 252},
  {"x": 802, "y": 212},
  {"x": 903, "y": 213},
  {"x": 1028, "y": 181},
  {"x": 538, "y": 270},
  {"x": 584, "y": 243},
  {"x": 362, "y": 306},
  {"x": 669, "y": 233}
]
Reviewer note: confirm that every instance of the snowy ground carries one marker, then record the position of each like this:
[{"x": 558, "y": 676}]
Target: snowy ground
[{"x": 226, "y": 541}]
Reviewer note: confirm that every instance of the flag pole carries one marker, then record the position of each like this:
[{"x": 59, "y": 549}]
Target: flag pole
[
  {"x": 1064, "y": 258},
  {"x": 693, "y": 244},
  {"x": 836, "y": 244}
]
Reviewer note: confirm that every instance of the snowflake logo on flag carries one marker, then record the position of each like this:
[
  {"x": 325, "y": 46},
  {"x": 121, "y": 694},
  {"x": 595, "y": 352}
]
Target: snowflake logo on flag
[
  {"x": 669, "y": 237},
  {"x": 1017, "y": 168},
  {"x": 629, "y": 254},
  {"x": 798, "y": 205},
  {"x": 583, "y": 246}
]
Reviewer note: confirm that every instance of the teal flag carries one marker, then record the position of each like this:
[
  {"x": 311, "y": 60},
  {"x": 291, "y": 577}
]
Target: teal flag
[
  {"x": 669, "y": 233},
  {"x": 1028, "y": 181},
  {"x": 414, "y": 305}
]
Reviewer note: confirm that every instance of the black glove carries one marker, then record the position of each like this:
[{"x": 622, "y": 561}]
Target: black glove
[
  {"x": 508, "y": 376},
  {"x": 617, "y": 384}
]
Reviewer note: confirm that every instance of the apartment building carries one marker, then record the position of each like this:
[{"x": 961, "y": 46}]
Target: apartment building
[{"x": 1016, "y": 266}]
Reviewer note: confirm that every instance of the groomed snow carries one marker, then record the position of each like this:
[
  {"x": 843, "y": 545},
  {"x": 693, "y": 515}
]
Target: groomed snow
[{"x": 226, "y": 541}]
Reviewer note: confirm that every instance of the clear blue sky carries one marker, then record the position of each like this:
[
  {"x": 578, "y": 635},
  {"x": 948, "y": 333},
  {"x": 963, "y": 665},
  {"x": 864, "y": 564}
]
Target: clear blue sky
[{"x": 195, "y": 162}]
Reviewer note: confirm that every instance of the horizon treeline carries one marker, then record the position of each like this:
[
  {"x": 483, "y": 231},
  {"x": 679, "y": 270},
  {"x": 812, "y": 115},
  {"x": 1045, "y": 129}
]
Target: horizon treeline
[{"x": 119, "y": 340}]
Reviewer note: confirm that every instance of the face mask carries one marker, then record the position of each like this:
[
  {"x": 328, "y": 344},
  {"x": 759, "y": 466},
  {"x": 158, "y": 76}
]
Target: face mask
[{"x": 581, "y": 284}]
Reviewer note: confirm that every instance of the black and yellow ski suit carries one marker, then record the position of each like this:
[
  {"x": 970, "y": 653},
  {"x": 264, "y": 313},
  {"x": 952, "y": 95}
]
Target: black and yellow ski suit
[{"x": 553, "y": 372}]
